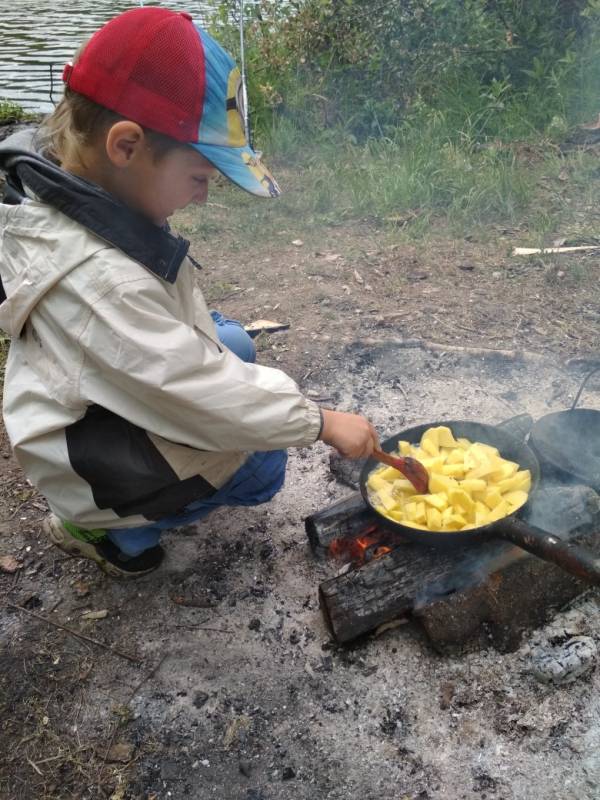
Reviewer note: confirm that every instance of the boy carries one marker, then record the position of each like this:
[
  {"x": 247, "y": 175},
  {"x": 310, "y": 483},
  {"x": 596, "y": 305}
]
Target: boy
[{"x": 125, "y": 404}]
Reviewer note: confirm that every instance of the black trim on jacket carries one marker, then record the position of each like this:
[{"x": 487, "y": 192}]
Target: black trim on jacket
[
  {"x": 98, "y": 211},
  {"x": 125, "y": 470}
]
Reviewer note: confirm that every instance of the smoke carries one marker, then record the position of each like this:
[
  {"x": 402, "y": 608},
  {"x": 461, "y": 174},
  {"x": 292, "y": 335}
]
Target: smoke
[{"x": 558, "y": 509}]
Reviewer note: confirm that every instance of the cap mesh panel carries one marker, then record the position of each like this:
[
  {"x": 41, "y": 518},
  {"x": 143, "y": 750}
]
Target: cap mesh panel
[{"x": 169, "y": 68}]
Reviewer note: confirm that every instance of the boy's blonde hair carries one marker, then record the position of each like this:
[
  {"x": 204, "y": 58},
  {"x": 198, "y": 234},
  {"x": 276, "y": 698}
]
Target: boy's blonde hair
[{"x": 78, "y": 123}]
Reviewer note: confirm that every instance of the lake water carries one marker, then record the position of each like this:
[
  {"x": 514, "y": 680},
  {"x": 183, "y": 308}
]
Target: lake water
[{"x": 37, "y": 35}]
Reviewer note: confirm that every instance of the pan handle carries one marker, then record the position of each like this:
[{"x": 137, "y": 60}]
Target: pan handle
[
  {"x": 583, "y": 383},
  {"x": 574, "y": 559}
]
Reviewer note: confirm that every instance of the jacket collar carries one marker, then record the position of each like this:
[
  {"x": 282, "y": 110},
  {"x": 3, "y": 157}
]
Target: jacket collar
[{"x": 156, "y": 248}]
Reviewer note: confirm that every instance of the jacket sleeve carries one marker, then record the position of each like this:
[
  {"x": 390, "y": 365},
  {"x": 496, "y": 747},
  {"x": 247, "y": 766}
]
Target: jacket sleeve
[{"x": 175, "y": 380}]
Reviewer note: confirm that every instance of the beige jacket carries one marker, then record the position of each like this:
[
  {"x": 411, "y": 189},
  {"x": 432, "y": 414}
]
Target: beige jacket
[{"x": 120, "y": 402}]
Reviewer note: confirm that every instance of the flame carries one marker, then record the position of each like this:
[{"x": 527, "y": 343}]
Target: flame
[{"x": 361, "y": 549}]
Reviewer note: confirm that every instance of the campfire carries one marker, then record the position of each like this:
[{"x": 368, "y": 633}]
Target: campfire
[
  {"x": 362, "y": 549},
  {"x": 486, "y": 593}
]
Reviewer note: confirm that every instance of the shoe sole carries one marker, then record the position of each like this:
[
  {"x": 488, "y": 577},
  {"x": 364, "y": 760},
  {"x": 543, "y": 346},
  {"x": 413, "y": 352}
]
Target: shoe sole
[{"x": 75, "y": 547}]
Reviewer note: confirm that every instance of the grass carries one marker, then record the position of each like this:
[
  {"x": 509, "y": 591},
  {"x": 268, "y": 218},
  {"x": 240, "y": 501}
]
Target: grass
[
  {"x": 413, "y": 187},
  {"x": 12, "y": 112},
  {"x": 424, "y": 177}
]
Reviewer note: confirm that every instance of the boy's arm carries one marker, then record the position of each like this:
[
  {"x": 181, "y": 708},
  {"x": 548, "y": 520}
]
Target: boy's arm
[{"x": 174, "y": 380}]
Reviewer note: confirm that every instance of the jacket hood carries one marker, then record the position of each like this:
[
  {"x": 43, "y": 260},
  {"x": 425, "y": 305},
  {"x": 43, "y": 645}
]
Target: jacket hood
[{"x": 39, "y": 246}]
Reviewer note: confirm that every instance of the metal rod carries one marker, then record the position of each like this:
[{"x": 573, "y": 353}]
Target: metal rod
[{"x": 243, "y": 61}]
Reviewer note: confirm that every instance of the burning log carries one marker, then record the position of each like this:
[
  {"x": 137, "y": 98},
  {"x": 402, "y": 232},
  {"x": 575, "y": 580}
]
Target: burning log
[{"x": 347, "y": 519}]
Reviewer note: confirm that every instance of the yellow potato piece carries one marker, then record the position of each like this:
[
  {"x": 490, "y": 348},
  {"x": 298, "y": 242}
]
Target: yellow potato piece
[
  {"x": 481, "y": 513},
  {"x": 387, "y": 500},
  {"x": 441, "y": 483},
  {"x": 439, "y": 501},
  {"x": 445, "y": 437},
  {"x": 482, "y": 470},
  {"x": 516, "y": 499},
  {"x": 461, "y": 501},
  {"x": 520, "y": 480},
  {"x": 453, "y": 470},
  {"x": 430, "y": 443},
  {"x": 473, "y": 485},
  {"x": 375, "y": 482},
  {"x": 403, "y": 486},
  {"x": 502, "y": 510},
  {"x": 390, "y": 474},
  {"x": 434, "y": 464},
  {"x": 434, "y": 519},
  {"x": 505, "y": 470},
  {"x": 492, "y": 497},
  {"x": 455, "y": 456}
]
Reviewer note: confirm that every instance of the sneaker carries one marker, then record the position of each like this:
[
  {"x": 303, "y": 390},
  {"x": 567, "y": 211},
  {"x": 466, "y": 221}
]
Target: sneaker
[{"x": 96, "y": 546}]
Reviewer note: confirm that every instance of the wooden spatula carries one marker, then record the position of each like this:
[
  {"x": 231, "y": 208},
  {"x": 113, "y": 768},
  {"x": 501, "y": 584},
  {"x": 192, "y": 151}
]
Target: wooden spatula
[{"x": 412, "y": 469}]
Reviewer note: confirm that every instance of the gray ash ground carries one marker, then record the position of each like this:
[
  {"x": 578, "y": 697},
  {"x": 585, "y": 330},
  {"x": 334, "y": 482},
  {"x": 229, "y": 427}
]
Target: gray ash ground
[{"x": 251, "y": 700}]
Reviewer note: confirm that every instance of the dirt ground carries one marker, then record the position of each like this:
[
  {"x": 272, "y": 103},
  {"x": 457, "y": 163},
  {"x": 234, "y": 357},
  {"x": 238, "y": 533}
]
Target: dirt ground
[{"x": 217, "y": 677}]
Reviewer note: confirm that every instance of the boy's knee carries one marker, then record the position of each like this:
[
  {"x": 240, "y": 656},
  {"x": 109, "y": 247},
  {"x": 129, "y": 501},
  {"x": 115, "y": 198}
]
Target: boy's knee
[{"x": 232, "y": 334}]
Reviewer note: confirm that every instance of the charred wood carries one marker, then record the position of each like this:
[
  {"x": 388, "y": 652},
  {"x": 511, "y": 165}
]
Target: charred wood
[
  {"x": 461, "y": 594},
  {"x": 348, "y": 518}
]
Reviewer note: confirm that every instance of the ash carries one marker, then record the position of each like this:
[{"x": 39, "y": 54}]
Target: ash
[{"x": 251, "y": 700}]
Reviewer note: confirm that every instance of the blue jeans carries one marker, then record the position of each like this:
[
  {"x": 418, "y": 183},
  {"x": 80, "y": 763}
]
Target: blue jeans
[{"x": 255, "y": 482}]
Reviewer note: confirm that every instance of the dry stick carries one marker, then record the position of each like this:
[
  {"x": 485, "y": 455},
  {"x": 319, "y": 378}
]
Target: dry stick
[
  {"x": 453, "y": 348},
  {"x": 36, "y": 768},
  {"x": 133, "y": 659}
]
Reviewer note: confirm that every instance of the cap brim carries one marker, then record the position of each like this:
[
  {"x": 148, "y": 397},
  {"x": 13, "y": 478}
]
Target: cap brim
[{"x": 242, "y": 166}]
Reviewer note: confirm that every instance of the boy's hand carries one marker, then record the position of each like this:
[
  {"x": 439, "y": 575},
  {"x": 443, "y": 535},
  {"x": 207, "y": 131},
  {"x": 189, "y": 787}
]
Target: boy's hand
[{"x": 351, "y": 435}]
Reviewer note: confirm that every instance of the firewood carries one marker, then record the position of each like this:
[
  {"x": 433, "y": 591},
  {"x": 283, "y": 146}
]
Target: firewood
[{"x": 531, "y": 251}]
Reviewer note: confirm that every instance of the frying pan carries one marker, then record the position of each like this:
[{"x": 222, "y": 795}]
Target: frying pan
[
  {"x": 567, "y": 443},
  {"x": 571, "y": 558}
]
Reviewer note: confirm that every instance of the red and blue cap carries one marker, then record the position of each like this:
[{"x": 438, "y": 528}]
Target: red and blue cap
[{"x": 157, "y": 68}]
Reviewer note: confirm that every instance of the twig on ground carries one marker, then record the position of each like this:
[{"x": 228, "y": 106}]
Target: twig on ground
[
  {"x": 35, "y": 766},
  {"x": 402, "y": 391},
  {"x": 120, "y": 653},
  {"x": 514, "y": 355},
  {"x": 530, "y": 251}
]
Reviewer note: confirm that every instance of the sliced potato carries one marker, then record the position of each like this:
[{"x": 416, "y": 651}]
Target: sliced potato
[{"x": 470, "y": 485}]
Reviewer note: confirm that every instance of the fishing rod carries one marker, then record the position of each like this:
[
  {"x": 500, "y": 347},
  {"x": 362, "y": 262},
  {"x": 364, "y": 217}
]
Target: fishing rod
[{"x": 244, "y": 88}]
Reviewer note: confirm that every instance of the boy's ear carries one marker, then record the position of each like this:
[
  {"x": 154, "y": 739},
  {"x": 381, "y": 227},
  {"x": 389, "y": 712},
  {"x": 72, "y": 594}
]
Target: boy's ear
[{"x": 124, "y": 140}]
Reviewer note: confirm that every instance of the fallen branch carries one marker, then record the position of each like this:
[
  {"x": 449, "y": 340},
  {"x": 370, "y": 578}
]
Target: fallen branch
[
  {"x": 35, "y": 766},
  {"x": 110, "y": 649},
  {"x": 531, "y": 251},
  {"x": 513, "y": 355}
]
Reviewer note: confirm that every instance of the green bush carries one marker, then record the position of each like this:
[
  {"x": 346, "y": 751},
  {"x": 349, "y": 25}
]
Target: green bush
[
  {"x": 416, "y": 109},
  {"x": 10, "y": 112},
  {"x": 495, "y": 67}
]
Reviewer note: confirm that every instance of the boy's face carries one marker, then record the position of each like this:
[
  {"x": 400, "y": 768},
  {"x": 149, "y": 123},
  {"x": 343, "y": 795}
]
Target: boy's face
[{"x": 157, "y": 188}]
